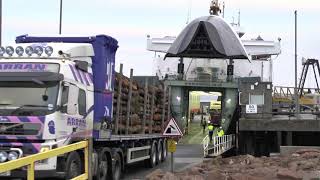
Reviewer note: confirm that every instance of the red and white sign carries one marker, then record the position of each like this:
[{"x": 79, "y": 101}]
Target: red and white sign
[{"x": 172, "y": 129}]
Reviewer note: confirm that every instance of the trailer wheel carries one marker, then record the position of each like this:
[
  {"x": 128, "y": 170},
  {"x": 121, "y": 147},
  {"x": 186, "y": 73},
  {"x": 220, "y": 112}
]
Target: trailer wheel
[
  {"x": 102, "y": 173},
  {"x": 164, "y": 150},
  {"x": 116, "y": 172},
  {"x": 159, "y": 152},
  {"x": 151, "y": 162},
  {"x": 73, "y": 165}
]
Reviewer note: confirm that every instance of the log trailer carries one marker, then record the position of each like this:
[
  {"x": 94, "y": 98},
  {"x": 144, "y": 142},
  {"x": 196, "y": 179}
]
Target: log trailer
[{"x": 56, "y": 91}]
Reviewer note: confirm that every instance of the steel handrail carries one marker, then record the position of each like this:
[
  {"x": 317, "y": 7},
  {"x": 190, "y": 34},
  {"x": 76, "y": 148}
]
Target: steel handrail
[
  {"x": 205, "y": 143},
  {"x": 222, "y": 144},
  {"x": 30, "y": 160}
]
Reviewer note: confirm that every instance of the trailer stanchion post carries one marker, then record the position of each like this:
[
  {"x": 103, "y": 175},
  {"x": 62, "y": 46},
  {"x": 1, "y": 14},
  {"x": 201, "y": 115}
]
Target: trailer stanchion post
[
  {"x": 89, "y": 156},
  {"x": 119, "y": 100},
  {"x": 169, "y": 101},
  {"x": 145, "y": 102},
  {"x": 152, "y": 106},
  {"x": 129, "y": 102},
  {"x": 164, "y": 106}
]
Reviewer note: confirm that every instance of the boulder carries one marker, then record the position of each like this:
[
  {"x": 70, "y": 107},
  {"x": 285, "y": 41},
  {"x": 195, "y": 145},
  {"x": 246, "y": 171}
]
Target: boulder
[
  {"x": 302, "y": 151},
  {"x": 288, "y": 174},
  {"x": 196, "y": 171},
  {"x": 155, "y": 175},
  {"x": 215, "y": 174},
  {"x": 169, "y": 176},
  {"x": 244, "y": 177}
]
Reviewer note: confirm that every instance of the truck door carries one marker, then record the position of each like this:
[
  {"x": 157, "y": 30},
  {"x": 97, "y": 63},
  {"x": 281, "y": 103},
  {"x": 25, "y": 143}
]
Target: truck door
[{"x": 74, "y": 108}]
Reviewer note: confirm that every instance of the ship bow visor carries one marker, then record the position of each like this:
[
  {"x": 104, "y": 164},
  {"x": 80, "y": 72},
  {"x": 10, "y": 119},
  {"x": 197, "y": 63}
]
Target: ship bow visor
[{"x": 30, "y": 76}]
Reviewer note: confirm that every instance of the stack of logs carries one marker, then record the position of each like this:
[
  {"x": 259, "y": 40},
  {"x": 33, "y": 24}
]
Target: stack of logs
[{"x": 140, "y": 107}]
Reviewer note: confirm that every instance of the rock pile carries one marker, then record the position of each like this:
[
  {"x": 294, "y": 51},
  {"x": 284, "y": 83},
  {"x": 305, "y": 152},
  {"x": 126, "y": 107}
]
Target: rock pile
[{"x": 303, "y": 164}]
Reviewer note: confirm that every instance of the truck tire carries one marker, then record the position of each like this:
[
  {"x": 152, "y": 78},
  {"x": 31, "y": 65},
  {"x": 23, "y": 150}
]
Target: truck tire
[
  {"x": 73, "y": 165},
  {"x": 159, "y": 152},
  {"x": 151, "y": 162},
  {"x": 116, "y": 172},
  {"x": 164, "y": 150},
  {"x": 102, "y": 173}
]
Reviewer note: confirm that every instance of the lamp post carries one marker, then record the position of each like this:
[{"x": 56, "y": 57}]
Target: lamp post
[
  {"x": 60, "y": 21},
  {"x": 0, "y": 22},
  {"x": 296, "y": 90}
]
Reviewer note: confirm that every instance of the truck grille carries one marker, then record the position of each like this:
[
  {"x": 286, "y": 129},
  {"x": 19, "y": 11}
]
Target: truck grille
[{"x": 19, "y": 128}]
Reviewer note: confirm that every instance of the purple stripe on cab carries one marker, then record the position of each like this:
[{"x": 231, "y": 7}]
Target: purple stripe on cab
[
  {"x": 35, "y": 119},
  {"x": 84, "y": 77},
  {"x": 24, "y": 119},
  {"x": 14, "y": 119},
  {"x": 74, "y": 74},
  {"x": 91, "y": 77},
  {"x": 78, "y": 74}
]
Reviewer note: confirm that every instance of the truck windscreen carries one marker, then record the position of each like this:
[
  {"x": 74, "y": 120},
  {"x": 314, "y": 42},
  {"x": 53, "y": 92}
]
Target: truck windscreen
[{"x": 28, "y": 98}]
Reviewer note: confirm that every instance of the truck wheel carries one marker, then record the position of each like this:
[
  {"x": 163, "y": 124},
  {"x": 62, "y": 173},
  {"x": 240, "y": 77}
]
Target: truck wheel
[
  {"x": 116, "y": 173},
  {"x": 164, "y": 150},
  {"x": 73, "y": 165},
  {"x": 151, "y": 162},
  {"x": 159, "y": 152},
  {"x": 102, "y": 173}
]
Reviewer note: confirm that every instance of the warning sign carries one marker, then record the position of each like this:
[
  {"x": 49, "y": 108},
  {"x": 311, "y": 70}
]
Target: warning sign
[
  {"x": 251, "y": 109},
  {"x": 172, "y": 129},
  {"x": 172, "y": 145}
]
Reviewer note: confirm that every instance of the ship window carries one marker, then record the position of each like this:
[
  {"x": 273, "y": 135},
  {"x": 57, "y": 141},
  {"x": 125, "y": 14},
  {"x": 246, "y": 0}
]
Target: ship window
[
  {"x": 257, "y": 99},
  {"x": 82, "y": 102}
]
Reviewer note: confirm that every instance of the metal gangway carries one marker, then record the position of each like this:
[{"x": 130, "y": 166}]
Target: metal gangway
[{"x": 219, "y": 145}]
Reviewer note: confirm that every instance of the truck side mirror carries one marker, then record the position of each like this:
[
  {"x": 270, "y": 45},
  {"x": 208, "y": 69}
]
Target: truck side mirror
[{"x": 63, "y": 108}]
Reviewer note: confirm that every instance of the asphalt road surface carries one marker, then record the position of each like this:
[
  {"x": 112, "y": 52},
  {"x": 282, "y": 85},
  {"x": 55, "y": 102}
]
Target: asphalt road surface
[{"x": 186, "y": 156}]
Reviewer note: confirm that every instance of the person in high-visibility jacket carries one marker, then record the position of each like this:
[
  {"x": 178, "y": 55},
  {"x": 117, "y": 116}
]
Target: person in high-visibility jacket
[
  {"x": 220, "y": 132},
  {"x": 211, "y": 129}
]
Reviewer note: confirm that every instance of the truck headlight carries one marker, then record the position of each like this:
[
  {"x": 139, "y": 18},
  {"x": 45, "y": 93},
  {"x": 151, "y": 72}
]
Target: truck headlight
[
  {"x": 3, "y": 156},
  {"x": 44, "y": 149},
  {"x": 13, "y": 155}
]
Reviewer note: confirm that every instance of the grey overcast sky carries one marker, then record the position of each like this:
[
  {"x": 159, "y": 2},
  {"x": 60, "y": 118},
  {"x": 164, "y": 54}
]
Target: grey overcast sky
[{"x": 131, "y": 21}]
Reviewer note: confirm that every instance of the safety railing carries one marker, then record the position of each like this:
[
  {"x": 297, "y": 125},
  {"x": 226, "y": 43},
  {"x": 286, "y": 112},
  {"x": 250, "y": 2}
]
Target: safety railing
[
  {"x": 219, "y": 145},
  {"x": 205, "y": 143},
  {"x": 30, "y": 161},
  {"x": 222, "y": 144}
]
